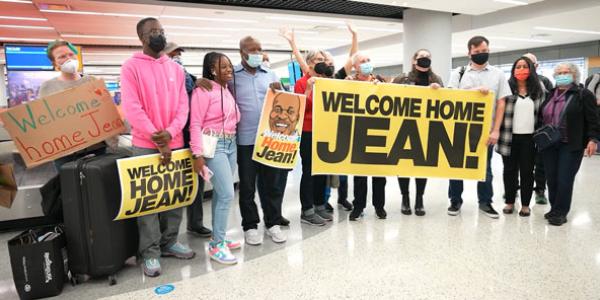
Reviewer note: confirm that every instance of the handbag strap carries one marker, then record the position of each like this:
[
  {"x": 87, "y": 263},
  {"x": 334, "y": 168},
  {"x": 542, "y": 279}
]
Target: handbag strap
[{"x": 561, "y": 117}]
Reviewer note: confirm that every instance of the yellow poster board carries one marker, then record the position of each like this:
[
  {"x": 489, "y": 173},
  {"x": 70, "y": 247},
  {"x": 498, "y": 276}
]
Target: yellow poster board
[
  {"x": 280, "y": 129},
  {"x": 362, "y": 128},
  {"x": 147, "y": 187}
]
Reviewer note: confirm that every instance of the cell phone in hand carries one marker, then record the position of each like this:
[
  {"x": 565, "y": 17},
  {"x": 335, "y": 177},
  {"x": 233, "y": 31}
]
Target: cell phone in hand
[{"x": 206, "y": 174}]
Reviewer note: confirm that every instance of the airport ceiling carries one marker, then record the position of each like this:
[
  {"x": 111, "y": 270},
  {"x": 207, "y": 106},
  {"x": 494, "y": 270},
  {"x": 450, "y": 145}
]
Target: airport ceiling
[
  {"x": 107, "y": 27},
  {"x": 343, "y": 7}
]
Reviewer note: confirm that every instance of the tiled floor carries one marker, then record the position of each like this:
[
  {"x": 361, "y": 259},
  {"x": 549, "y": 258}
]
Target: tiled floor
[{"x": 403, "y": 257}]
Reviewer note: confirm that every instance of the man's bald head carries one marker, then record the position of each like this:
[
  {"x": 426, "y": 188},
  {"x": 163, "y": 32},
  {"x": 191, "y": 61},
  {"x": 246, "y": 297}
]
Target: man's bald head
[{"x": 248, "y": 41}]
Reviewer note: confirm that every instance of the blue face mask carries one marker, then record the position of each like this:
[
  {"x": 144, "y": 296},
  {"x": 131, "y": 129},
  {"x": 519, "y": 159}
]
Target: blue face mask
[
  {"x": 254, "y": 60},
  {"x": 564, "y": 79},
  {"x": 366, "y": 68}
]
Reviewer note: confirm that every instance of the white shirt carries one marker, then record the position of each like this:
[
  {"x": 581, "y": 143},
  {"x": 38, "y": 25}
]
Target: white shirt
[
  {"x": 491, "y": 77},
  {"x": 524, "y": 117}
]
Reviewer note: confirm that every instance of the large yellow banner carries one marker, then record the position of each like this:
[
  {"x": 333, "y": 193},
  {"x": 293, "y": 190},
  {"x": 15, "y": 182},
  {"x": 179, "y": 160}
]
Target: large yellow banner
[
  {"x": 147, "y": 187},
  {"x": 280, "y": 129},
  {"x": 362, "y": 128}
]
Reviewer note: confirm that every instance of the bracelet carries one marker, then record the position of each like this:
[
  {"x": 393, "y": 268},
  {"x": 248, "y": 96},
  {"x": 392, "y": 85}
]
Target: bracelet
[{"x": 194, "y": 156}]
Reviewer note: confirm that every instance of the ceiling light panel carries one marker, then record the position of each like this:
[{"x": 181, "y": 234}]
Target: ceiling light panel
[{"x": 22, "y": 18}]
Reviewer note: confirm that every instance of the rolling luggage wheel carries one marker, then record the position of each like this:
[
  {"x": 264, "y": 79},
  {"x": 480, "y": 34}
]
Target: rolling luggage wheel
[{"x": 112, "y": 280}]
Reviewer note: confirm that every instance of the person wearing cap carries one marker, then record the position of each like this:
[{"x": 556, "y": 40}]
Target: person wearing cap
[
  {"x": 63, "y": 56},
  {"x": 195, "y": 213}
]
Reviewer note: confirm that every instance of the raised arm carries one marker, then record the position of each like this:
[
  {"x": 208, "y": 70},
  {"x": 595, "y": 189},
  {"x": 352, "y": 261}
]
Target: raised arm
[
  {"x": 290, "y": 37},
  {"x": 353, "y": 48}
]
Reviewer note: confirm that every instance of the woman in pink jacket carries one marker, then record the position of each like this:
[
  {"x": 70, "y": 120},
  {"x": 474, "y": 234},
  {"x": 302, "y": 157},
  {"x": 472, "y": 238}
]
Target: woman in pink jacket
[{"x": 214, "y": 117}]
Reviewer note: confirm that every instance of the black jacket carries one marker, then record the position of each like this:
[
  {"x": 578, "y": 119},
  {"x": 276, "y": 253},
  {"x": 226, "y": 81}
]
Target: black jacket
[{"x": 581, "y": 118}]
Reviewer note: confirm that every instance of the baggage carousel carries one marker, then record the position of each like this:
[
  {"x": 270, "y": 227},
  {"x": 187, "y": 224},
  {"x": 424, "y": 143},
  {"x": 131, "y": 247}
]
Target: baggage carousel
[{"x": 26, "y": 210}]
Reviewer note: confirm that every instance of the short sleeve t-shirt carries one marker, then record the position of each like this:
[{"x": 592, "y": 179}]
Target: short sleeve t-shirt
[
  {"x": 491, "y": 77},
  {"x": 56, "y": 85}
]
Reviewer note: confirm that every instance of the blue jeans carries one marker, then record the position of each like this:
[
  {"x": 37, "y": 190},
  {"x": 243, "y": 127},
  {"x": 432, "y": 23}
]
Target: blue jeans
[
  {"x": 485, "y": 190},
  {"x": 562, "y": 165},
  {"x": 223, "y": 166}
]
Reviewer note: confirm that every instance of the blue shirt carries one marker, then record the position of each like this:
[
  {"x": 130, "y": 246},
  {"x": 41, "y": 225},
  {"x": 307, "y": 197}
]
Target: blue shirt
[{"x": 249, "y": 91}]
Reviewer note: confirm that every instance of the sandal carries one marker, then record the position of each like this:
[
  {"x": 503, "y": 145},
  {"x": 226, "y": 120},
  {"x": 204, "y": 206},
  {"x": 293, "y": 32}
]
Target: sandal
[
  {"x": 508, "y": 210},
  {"x": 525, "y": 214}
]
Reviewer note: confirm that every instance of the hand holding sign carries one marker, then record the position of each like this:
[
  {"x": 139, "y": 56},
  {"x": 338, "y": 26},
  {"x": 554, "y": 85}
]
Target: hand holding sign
[
  {"x": 161, "y": 138},
  {"x": 276, "y": 86},
  {"x": 484, "y": 90}
]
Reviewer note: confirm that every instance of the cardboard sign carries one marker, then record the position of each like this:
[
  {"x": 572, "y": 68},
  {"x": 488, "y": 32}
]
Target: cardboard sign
[
  {"x": 147, "y": 187},
  {"x": 280, "y": 129},
  {"x": 63, "y": 123},
  {"x": 8, "y": 185},
  {"x": 360, "y": 128}
]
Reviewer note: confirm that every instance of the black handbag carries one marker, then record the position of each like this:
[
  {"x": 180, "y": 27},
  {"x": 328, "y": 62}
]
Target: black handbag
[
  {"x": 546, "y": 136},
  {"x": 38, "y": 259},
  {"x": 549, "y": 135}
]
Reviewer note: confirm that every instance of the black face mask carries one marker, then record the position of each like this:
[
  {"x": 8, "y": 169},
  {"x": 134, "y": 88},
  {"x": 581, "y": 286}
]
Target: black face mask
[
  {"x": 424, "y": 62},
  {"x": 323, "y": 69},
  {"x": 157, "y": 43},
  {"x": 480, "y": 58}
]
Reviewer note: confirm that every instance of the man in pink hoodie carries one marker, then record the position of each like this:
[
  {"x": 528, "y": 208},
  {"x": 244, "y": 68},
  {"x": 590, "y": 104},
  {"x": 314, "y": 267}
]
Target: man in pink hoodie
[{"x": 156, "y": 106}]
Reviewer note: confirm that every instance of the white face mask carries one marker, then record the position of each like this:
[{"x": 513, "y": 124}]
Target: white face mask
[
  {"x": 70, "y": 66},
  {"x": 178, "y": 59}
]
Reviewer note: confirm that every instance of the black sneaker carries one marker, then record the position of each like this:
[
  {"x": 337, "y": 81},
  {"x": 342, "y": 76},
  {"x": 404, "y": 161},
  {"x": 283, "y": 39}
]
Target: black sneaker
[
  {"x": 201, "y": 232},
  {"x": 489, "y": 211},
  {"x": 557, "y": 220},
  {"x": 345, "y": 204},
  {"x": 454, "y": 209},
  {"x": 549, "y": 214},
  {"x": 328, "y": 207},
  {"x": 355, "y": 215},
  {"x": 381, "y": 213},
  {"x": 284, "y": 222}
]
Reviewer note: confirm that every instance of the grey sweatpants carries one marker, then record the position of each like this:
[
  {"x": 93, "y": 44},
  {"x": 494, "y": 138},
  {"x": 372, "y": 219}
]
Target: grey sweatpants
[{"x": 158, "y": 231}]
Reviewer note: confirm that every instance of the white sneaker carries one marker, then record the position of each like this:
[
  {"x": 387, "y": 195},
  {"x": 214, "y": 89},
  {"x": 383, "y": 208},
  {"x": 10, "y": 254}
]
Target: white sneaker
[
  {"x": 276, "y": 234},
  {"x": 252, "y": 237}
]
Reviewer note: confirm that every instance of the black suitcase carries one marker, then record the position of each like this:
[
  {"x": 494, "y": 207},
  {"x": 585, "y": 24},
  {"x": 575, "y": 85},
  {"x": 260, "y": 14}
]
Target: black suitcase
[{"x": 91, "y": 193}]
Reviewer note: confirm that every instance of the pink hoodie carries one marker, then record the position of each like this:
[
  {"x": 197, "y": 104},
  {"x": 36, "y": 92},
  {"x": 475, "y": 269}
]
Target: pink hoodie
[{"x": 154, "y": 99}]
